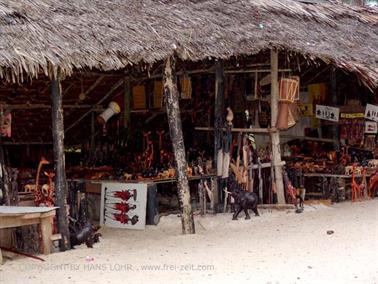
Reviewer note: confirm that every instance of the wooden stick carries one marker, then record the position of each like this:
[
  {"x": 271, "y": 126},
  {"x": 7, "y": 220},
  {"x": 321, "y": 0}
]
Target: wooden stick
[
  {"x": 20, "y": 253},
  {"x": 243, "y": 130},
  {"x": 24, "y": 143},
  {"x": 44, "y": 106},
  {"x": 242, "y": 71}
]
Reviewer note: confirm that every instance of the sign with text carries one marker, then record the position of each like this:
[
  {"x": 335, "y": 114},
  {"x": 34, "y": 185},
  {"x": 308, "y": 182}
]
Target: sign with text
[
  {"x": 371, "y": 112},
  {"x": 352, "y": 115},
  {"x": 327, "y": 113},
  {"x": 305, "y": 109},
  {"x": 371, "y": 127}
]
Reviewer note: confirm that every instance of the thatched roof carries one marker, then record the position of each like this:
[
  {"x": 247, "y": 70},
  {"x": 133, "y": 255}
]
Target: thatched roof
[{"x": 41, "y": 35}]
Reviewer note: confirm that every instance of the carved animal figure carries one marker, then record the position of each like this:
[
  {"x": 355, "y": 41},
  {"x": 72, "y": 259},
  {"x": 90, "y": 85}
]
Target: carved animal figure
[
  {"x": 35, "y": 187},
  {"x": 373, "y": 185},
  {"x": 161, "y": 135},
  {"x": 373, "y": 163},
  {"x": 47, "y": 190},
  {"x": 358, "y": 190},
  {"x": 146, "y": 139},
  {"x": 244, "y": 200},
  {"x": 149, "y": 155},
  {"x": 84, "y": 234},
  {"x": 127, "y": 176},
  {"x": 230, "y": 116}
]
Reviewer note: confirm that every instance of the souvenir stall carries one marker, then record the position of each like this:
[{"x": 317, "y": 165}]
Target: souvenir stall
[
  {"x": 334, "y": 153},
  {"x": 121, "y": 172},
  {"x": 126, "y": 145}
]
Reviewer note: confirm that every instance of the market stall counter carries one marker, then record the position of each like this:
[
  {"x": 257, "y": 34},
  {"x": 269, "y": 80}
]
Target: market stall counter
[{"x": 114, "y": 199}]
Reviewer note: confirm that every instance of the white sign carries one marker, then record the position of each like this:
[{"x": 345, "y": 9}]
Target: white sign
[
  {"x": 371, "y": 112},
  {"x": 371, "y": 127},
  {"x": 327, "y": 113},
  {"x": 123, "y": 205}
]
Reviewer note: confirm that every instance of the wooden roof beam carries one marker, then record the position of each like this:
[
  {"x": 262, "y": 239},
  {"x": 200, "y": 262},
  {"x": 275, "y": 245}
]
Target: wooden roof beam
[
  {"x": 108, "y": 94},
  {"x": 43, "y": 106}
]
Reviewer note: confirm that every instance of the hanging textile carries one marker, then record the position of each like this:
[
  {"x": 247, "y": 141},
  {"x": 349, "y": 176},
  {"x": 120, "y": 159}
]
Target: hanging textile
[
  {"x": 158, "y": 94},
  {"x": 186, "y": 87},
  {"x": 6, "y": 125},
  {"x": 139, "y": 97}
]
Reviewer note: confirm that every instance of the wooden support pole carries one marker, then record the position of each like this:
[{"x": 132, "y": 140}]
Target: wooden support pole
[
  {"x": 5, "y": 188},
  {"x": 59, "y": 162},
  {"x": 127, "y": 103},
  {"x": 275, "y": 136},
  {"x": 5, "y": 179},
  {"x": 175, "y": 128},
  {"x": 218, "y": 124},
  {"x": 334, "y": 127},
  {"x": 93, "y": 134}
]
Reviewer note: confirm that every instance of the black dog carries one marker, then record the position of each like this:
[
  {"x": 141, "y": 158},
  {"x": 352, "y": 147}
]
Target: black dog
[{"x": 244, "y": 200}]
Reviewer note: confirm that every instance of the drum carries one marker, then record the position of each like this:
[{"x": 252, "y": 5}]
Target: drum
[{"x": 289, "y": 89}]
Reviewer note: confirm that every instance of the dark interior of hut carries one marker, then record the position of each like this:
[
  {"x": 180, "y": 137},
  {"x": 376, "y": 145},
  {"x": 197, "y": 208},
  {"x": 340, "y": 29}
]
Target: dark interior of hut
[{"x": 135, "y": 144}]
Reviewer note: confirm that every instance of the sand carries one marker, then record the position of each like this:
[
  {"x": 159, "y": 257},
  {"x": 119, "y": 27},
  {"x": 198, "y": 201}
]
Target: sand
[{"x": 277, "y": 247}]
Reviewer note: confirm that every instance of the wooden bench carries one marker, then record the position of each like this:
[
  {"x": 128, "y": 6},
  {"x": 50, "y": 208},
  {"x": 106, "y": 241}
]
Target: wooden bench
[{"x": 17, "y": 216}]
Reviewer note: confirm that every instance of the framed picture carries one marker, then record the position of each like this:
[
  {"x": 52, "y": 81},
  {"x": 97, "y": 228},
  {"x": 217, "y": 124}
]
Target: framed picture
[{"x": 123, "y": 205}]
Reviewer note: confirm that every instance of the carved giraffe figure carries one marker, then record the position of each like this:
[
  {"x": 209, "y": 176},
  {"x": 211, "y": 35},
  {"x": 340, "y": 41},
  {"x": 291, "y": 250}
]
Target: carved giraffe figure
[
  {"x": 146, "y": 138},
  {"x": 148, "y": 149},
  {"x": 160, "y": 134},
  {"x": 149, "y": 154},
  {"x": 35, "y": 187},
  {"x": 48, "y": 189},
  {"x": 38, "y": 192}
]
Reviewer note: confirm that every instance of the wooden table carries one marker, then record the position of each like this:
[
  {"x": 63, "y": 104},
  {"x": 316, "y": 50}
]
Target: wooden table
[
  {"x": 17, "y": 216},
  {"x": 152, "y": 203},
  {"x": 325, "y": 180}
]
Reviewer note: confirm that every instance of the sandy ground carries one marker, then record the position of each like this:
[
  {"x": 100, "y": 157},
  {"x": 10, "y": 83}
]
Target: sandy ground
[{"x": 277, "y": 247}]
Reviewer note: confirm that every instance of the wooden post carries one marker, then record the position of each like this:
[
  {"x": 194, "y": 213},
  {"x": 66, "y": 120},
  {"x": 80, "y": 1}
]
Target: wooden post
[
  {"x": 334, "y": 127},
  {"x": 276, "y": 151},
  {"x": 218, "y": 124},
  {"x": 4, "y": 176},
  {"x": 127, "y": 103},
  {"x": 175, "y": 128},
  {"x": 59, "y": 162},
  {"x": 93, "y": 132},
  {"x": 46, "y": 231}
]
